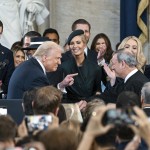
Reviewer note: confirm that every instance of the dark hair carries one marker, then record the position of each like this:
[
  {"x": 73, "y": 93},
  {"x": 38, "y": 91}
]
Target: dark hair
[
  {"x": 51, "y": 30},
  {"x": 8, "y": 128},
  {"x": 1, "y": 25},
  {"x": 80, "y": 21},
  {"x": 17, "y": 43},
  {"x": 59, "y": 139},
  {"x": 107, "y": 139},
  {"x": 16, "y": 48},
  {"x": 128, "y": 99},
  {"x": 31, "y": 34},
  {"x": 46, "y": 100},
  {"x": 28, "y": 97},
  {"x": 61, "y": 113},
  {"x": 109, "y": 51}
]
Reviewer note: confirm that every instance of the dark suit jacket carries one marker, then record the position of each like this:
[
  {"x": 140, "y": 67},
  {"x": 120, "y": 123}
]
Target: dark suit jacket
[
  {"x": 147, "y": 71},
  {"x": 6, "y": 67},
  {"x": 134, "y": 84},
  {"x": 86, "y": 83},
  {"x": 26, "y": 76},
  {"x": 55, "y": 77},
  {"x": 91, "y": 55}
]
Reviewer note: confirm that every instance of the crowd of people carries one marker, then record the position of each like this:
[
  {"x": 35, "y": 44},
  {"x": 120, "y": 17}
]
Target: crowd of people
[{"x": 110, "y": 87}]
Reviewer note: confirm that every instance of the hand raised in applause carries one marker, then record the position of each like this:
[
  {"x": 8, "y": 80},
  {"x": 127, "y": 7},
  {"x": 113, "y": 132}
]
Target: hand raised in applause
[{"x": 111, "y": 74}]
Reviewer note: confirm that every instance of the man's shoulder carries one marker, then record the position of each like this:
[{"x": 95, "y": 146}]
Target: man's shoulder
[
  {"x": 2, "y": 47},
  {"x": 5, "y": 50},
  {"x": 139, "y": 76}
]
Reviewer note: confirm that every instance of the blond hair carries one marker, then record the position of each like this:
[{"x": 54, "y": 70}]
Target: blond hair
[
  {"x": 46, "y": 48},
  {"x": 141, "y": 60}
]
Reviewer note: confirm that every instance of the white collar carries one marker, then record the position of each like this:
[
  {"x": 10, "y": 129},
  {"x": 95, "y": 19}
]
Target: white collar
[
  {"x": 41, "y": 65},
  {"x": 146, "y": 107},
  {"x": 130, "y": 74},
  {"x": 85, "y": 51}
]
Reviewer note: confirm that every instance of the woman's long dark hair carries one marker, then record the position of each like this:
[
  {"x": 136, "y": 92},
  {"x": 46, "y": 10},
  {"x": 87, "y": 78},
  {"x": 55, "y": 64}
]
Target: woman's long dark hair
[{"x": 109, "y": 50}]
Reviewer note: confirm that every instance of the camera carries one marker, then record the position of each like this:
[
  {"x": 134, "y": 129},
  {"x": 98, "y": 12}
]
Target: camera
[
  {"x": 118, "y": 117},
  {"x": 37, "y": 122}
]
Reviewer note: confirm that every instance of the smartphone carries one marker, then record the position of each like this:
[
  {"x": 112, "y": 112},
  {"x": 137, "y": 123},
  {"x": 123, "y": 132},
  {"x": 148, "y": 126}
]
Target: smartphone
[
  {"x": 37, "y": 122},
  {"x": 3, "y": 110}
]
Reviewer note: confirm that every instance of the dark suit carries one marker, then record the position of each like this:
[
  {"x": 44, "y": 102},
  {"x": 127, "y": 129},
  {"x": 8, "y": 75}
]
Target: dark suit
[
  {"x": 6, "y": 67},
  {"x": 91, "y": 55},
  {"x": 134, "y": 84},
  {"x": 55, "y": 77},
  {"x": 147, "y": 71},
  {"x": 26, "y": 76},
  {"x": 86, "y": 83}
]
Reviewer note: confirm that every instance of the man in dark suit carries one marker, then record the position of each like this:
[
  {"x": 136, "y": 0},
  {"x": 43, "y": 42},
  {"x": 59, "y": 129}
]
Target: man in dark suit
[
  {"x": 145, "y": 98},
  {"x": 32, "y": 73},
  {"x": 6, "y": 66},
  {"x": 86, "y": 27},
  {"x": 123, "y": 63}
]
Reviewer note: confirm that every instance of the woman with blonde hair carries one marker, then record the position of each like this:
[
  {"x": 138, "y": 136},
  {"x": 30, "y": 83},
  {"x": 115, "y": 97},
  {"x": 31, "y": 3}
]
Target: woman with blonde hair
[{"x": 134, "y": 45}]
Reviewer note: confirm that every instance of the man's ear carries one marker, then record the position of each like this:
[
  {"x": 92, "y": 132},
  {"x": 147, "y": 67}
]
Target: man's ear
[
  {"x": 43, "y": 58},
  {"x": 123, "y": 64}
]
